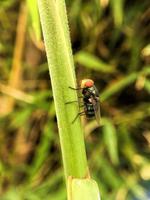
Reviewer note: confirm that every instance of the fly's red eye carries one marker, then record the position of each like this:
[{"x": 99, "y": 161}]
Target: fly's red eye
[
  {"x": 85, "y": 83},
  {"x": 89, "y": 84}
]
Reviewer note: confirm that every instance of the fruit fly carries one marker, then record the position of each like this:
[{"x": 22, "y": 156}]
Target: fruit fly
[{"x": 90, "y": 98}]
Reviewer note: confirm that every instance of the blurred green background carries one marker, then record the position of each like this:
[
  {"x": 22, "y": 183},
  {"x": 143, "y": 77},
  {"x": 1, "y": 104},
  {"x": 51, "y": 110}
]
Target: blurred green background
[{"x": 111, "y": 45}]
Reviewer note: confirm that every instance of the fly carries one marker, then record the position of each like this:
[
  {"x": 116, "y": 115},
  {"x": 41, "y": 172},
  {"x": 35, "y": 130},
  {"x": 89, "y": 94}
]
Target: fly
[{"x": 91, "y": 103}]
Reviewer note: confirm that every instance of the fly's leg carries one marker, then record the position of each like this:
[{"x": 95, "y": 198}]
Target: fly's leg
[
  {"x": 78, "y": 97},
  {"x": 79, "y": 114},
  {"x": 81, "y": 106},
  {"x": 74, "y": 102},
  {"x": 75, "y": 88},
  {"x": 71, "y": 102}
]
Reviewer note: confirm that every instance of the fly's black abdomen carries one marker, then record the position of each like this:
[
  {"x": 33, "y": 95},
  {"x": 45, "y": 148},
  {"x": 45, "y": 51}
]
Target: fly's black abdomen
[{"x": 89, "y": 110}]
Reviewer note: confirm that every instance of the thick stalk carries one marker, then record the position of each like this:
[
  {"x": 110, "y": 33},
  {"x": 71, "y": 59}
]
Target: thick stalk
[{"x": 60, "y": 61}]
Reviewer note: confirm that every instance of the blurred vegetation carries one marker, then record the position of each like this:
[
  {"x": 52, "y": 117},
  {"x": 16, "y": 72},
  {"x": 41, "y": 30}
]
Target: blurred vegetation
[{"x": 111, "y": 45}]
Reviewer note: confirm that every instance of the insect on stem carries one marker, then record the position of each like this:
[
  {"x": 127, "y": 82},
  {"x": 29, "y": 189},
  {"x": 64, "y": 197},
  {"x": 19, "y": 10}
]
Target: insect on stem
[{"x": 90, "y": 99}]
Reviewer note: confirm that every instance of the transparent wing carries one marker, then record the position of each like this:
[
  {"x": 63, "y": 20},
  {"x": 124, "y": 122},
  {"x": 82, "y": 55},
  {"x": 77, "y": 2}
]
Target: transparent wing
[{"x": 96, "y": 105}]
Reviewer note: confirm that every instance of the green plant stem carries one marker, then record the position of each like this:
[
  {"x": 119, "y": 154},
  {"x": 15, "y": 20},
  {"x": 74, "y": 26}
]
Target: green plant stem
[{"x": 58, "y": 49}]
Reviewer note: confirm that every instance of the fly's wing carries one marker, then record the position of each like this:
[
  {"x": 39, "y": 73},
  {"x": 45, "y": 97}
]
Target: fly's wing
[{"x": 96, "y": 105}]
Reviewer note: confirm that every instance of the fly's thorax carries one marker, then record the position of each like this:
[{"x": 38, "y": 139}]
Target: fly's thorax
[
  {"x": 88, "y": 91},
  {"x": 91, "y": 89}
]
